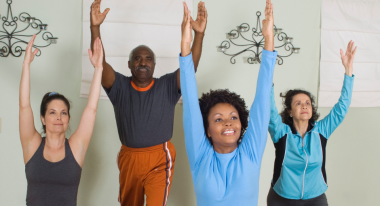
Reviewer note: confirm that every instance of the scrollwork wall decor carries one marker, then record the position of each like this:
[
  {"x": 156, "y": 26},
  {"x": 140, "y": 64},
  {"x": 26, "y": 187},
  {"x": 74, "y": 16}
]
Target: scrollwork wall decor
[
  {"x": 254, "y": 47},
  {"x": 12, "y": 40}
]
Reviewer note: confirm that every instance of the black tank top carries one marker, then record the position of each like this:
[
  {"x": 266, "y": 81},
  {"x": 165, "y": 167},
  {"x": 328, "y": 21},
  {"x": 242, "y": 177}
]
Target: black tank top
[{"x": 52, "y": 183}]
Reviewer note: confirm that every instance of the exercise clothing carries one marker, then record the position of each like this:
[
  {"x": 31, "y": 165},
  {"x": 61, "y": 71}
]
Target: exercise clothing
[
  {"x": 299, "y": 167},
  {"x": 52, "y": 183},
  {"x": 276, "y": 200},
  {"x": 146, "y": 171},
  {"x": 144, "y": 116},
  {"x": 233, "y": 178}
]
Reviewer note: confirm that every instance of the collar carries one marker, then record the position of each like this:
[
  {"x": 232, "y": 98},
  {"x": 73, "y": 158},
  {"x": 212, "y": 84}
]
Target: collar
[
  {"x": 142, "y": 89},
  {"x": 309, "y": 127}
]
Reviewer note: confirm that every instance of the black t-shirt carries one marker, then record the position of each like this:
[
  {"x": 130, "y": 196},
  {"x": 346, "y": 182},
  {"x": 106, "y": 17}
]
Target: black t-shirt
[{"x": 144, "y": 118}]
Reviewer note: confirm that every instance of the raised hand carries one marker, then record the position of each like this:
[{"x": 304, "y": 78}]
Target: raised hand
[
  {"x": 348, "y": 58},
  {"x": 96, "y": 58},
  {"x": 267, "y": 29},
  {"x": 29, "y": 55},
  {"x": 268, "y": 22},
  {"x": 97, "y": 17},
  {"x": 199, "y": 25},
  {"x": 187, "y": 34}
]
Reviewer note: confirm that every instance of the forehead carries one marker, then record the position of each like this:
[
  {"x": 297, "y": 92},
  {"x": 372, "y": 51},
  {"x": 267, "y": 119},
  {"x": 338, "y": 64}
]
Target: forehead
[
  {"x": 301, "y": 97},
  {"x": 57, "y": 104},
  {"x": 222, "y": 108},
  {"x": 143, "y": 51}
]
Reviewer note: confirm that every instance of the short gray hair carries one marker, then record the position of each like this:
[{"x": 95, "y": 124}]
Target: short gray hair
[{"x": 133, "y": 50}]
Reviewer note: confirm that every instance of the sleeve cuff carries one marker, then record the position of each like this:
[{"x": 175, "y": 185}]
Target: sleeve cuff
[
  {"x": 186, "y": 58},
  {"x": 269, "y": 54}
]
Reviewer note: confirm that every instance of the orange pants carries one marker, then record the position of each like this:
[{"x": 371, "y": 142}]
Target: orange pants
[{"x": 146, "y": 171}]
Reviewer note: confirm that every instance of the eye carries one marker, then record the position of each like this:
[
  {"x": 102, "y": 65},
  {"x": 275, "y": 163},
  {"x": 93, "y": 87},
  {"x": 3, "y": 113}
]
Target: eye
[
  {"x": 308, "y": 103},
  {"x": 298, "y": 103},
  {"x": 234, "y": 118},
  {"x": 64, "y": 113},
  {"x": 149, "y": 59},
  {"x": 52, "y": 112},
  {"x": 218, "y": 120}
]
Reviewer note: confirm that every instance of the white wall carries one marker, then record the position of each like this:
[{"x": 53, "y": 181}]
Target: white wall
[{"x": 352, "y": 151}]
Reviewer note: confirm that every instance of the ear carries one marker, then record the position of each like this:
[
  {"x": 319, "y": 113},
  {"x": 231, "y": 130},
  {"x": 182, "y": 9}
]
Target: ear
[
  {"x": 208, "y": 132},
  {"x": 129, "y": 64},
  {"x": 43, "y": 120},
  {"x": 290, "y": 113}
]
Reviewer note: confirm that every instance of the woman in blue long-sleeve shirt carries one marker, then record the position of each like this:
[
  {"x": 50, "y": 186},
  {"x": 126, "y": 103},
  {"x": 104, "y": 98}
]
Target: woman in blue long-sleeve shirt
[
  {"x": 299, "y": 176},
  {"x": 225, "y": 163}
]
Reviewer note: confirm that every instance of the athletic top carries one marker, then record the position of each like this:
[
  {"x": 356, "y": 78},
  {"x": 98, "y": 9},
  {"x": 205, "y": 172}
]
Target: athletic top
[
  {"x": 52, "y": 183},
  {"x": 299, "y": 169},
  {"x": 233, "y": 178},
  {"x": 144, "y": 116}
]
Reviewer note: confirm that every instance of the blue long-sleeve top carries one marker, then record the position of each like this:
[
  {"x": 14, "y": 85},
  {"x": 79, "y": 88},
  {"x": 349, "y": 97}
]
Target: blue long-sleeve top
[
  {"x": 299, "y": 169},
  {"x": 233, "y": 178}
]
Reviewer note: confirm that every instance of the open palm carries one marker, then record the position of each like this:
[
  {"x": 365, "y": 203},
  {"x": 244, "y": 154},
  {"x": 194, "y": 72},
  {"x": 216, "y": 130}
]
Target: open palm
[
  {"x": 97, "y": 17},
  {"x": 199, "y": 25},
  {"x": 348, "y": 57},
  {"x": 29, "y": 54},
  {"x": 96, "y": 57}
]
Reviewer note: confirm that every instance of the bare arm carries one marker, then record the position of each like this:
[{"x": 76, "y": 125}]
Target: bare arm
[
  {"x": 199, "y": 27},
  {"x": 80, "y": 140},
  {"x": 29, "y": 136},
  {"x": 97, "y": 18}
]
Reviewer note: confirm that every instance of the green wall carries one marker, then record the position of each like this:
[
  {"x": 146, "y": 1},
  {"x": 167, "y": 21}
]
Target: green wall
[{"x": 352, "y": 164}]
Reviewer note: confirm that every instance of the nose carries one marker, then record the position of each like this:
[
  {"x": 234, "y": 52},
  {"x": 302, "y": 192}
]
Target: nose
[
  {"x": 228, "y": 123},
  {"x": 142, "y": 62},
  {"x": 58, "y": 117}
]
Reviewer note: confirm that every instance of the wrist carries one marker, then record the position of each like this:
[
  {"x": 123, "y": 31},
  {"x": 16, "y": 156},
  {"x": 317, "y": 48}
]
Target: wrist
[
  {"x": 25, "y": 64},
  {"x": 199, "y": 34},
  {"x": 95, "y": 26}
]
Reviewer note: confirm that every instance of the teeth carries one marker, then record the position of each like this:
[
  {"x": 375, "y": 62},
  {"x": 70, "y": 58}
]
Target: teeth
[{"x": 228, "y": 132}]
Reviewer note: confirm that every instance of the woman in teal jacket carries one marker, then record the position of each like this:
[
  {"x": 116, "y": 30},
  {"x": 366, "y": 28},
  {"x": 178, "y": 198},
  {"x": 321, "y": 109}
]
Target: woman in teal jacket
[{"x": 300, "y": 140}]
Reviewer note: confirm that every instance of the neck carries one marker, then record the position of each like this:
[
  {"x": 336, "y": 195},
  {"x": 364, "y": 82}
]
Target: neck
[
  {"x": 142, "y": 83},
  {"x": 54, "y": 140},
  {"x": 301, "y": 126},
  {"x": 224, "y": 149}
]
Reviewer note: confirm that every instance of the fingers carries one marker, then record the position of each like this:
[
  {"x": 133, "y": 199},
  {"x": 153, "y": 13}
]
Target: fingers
[
  {"x": 354, "y": 52},
  {"x": 106, "y": 11},
  {"x": 35, "y": 52},
  {"x": 184, "y": 11},
  {"x": 30, "y": 44},
  {"x": 341, "y": 54}
]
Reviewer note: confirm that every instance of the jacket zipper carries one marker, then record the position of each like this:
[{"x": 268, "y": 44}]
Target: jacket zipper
[{"x": 304, "y": 172}]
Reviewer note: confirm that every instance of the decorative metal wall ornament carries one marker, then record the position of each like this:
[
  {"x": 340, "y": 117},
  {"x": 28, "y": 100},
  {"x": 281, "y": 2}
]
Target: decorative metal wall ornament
[
  {"x": 257, "y": 32},
  {"x": 10, "y": 38}
]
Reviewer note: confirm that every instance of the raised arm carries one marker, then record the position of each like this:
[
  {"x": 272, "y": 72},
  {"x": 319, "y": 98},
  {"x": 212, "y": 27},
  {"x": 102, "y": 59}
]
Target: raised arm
[
  {"x": 255, "y": 138},
  {"x": 192, "y": 118},
  {"x": 276, "y": 126},
  {"x": 29, "y": 136},
  {"x": 97, "y": 18},
  {"x": 199, "y": 27},
  {"x": 80, "y": 140},
  {"x": 328, "y": 124}
]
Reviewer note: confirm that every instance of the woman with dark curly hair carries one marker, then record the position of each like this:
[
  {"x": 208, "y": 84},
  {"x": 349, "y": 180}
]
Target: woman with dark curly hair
[
  {"x": 225, "y": 149},
  {"x": 299, "y": 176}
]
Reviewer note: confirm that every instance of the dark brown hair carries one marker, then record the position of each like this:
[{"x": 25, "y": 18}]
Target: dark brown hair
[
  {"x": 209, "y": 100},
  {"x": 288, "y": 106},
  {"x": 48, "y": 97}
]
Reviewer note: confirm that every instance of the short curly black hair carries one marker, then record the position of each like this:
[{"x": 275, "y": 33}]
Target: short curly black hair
[
  {"x": 214, "y": 97},
  {"x": 288, "y": 106}
]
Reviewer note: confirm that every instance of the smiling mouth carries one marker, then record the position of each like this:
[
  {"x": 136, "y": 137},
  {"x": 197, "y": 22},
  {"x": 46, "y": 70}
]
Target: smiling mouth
[
  {"x": 228, "y": 133},
  {"x": 143, "y": 68}
]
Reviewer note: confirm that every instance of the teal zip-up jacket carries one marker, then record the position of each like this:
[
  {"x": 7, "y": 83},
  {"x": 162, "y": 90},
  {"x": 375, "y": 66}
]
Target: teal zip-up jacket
[{"x": 299, "y": 169}]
